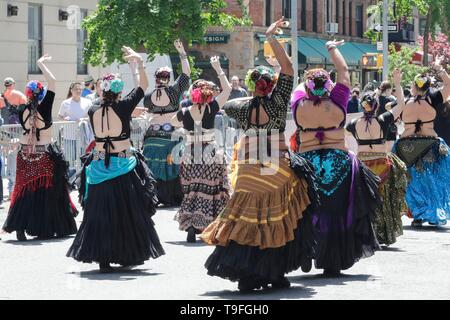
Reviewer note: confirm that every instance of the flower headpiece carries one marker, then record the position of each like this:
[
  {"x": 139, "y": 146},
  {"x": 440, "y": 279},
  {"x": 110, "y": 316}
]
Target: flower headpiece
[
  {"x": 162, "y": 75},
  {"x": 202, "y": 92},
  {"x": 163, "y": 72},
  {"x": 422, "y": 82},
  {"x": 261, "y": 80},
  {"x": 113, "y": 83},
  {"x": 318, "y": 82},
  {"x": 35, "y": 89}
]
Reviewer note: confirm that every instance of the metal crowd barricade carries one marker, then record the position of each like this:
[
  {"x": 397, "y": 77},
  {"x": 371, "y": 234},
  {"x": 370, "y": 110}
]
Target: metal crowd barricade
[
  {"x": 138, "y": 129},
  {"x": 229, "y": 134},
  {"x": 73, "y": 141},
  {"x": 9, "y": 139},
  {"x": 69, "y": 137}
]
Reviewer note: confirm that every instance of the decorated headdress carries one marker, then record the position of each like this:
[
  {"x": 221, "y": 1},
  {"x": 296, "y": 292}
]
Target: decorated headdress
[
  {"x": 422, "y": 82},
  {"x": 35, "y": 90},
  {"x": 318, "y": 82},
  {"x": 112, "y": 82},
  {"x": 261, "y": 80},
  {"x": 201, "y": 92},
  {"x": 162, "y": 75}
]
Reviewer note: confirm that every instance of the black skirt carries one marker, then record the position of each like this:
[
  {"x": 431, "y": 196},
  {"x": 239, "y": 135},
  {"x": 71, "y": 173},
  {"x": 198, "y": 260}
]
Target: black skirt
[
  {"x": 117, "y": 225},
  {"x": 235, "y": 262},
  {"x": 40, "y": 203},
  {"x": 349, "y": 199}
]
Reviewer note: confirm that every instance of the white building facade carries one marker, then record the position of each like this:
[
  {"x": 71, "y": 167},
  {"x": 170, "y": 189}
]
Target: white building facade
[{"x": 29, "y": 29}]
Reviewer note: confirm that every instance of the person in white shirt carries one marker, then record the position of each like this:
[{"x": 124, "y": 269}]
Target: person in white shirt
[{"x": 74, "y": 108}]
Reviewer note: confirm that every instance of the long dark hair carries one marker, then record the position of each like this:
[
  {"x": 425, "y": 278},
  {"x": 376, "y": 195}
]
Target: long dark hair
[
  {"x": 72, "y": 85},
  {"x": 109, "y": 98}
]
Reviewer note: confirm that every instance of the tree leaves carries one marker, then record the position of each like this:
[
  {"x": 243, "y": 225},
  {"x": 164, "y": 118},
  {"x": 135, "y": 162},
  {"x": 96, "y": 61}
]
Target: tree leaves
[
  {"x": 402, "y": 60},
  {"x": 150, "y": 26}
]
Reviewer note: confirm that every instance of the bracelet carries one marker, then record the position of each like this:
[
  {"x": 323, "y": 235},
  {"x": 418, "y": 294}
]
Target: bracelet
[
  {"x": 221, "y": 74},
  {"x": 183, "y": 56},
  {"x": 271, "y": 37},
  {"x": 331, "y": 48}
]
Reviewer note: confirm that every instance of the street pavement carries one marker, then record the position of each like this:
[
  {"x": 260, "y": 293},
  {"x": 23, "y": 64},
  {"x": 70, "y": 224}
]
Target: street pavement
[{"x": 416, "y": 267}]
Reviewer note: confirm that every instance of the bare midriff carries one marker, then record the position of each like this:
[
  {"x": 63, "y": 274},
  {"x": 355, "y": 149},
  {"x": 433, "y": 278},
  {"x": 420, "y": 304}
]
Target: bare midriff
[
  {"x": 332, "y": 140},
  {"x": 161, "y": 119},
  {"x": 44, "y": 138}
]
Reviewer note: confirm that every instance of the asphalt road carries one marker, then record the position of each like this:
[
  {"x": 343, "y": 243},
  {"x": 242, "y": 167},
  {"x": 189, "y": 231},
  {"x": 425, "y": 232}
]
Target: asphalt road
[{"x": 416, "y": 267}]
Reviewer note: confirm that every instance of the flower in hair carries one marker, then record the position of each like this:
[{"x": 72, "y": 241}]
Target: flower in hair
[
  {"x": 261, "y": 80},
  {"x": 420, "y": 82},
  {"x": 117, "y": 86},
  {"x": 35, "y": 89},
  {"x": 112, "y": 83}
]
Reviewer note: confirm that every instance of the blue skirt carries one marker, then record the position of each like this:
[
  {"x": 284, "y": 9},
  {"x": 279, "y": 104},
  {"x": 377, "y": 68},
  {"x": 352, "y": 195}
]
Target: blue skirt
[
  {"x": 157, "y": 151},
  {"x": 428, "y": 191}
]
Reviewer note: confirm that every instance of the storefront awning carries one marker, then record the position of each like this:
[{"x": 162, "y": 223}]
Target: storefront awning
[
  {"x": 316, "y": 45},
  {"x": 314, "y": 51},
  {"x": 365, "y": 47},
  {"x": 308, "y": 54},
  {"x": 350, "y": 51}
]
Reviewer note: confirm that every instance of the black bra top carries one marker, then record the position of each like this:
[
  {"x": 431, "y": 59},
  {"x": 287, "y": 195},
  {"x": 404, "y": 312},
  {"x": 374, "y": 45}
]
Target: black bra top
[
  {"x": 174, "y": 92},
  {"x": 125, "y": 134},
  {"x": 418, "y": 124},
  {"x": 320, "y": 131},
  {"x": 124, "y": 108},
  {"x": 434, "y": 99},
  {"x": 209, "y": 115},
  {"x": 320, "y": 135},
  {"x": 44, "y": 114},
  {"x": 384, "y": 120}
]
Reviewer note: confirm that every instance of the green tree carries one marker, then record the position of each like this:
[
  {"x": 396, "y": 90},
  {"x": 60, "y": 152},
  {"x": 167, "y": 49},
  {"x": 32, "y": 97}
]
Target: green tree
[
  {"x": 437, "y": 13},
  {"x": 402, "y": 60},
  {"x": 151, "y": 26}
]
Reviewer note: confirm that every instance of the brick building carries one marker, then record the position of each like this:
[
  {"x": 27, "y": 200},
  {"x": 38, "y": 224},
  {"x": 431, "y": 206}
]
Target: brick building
[{"x": 318, "y": 21}]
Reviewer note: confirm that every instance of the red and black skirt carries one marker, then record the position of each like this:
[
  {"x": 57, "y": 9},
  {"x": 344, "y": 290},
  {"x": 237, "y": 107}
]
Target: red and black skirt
[{"x": 40, "y": 203}]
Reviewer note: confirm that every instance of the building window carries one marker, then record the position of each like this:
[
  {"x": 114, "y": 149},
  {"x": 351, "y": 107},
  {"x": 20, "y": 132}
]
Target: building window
[
  {"x": 303, "y": 16},
  {"x": 34, "y": 37},
  {"x": 359, "y": 21},
  {"x": 328, "y": 11},
  {"x": 314, "y": 13},
  {"x": 81, "y": 38},
  {"x": 344, "y": 18},
  {"x": 337, "y": 11},
  {"x": 350, "y": 18},
  {"x": 422, "y": 24},
  {"x": 287, "y": 10},
  {"x": 268, "y": 4}
]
